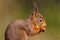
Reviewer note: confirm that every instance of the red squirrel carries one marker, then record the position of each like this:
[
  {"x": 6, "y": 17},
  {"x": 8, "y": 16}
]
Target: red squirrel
[{"x": 20, "y": 29}]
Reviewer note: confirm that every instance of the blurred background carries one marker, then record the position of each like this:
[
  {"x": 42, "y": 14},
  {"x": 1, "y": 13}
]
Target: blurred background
[{"x": 13, "y": 9}]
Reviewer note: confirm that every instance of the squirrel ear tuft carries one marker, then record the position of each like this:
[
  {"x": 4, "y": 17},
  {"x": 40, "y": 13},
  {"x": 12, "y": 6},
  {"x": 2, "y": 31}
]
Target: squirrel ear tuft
[
  {"x": 35, "y": 9},
  {"x": 35, "y": 6}
]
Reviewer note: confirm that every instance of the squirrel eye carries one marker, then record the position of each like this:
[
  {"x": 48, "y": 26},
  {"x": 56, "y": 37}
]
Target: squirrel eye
[{"x": 40, "y": 20}]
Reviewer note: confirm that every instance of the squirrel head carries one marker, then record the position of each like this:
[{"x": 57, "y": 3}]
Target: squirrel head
[{"x": 38, "y": 20}]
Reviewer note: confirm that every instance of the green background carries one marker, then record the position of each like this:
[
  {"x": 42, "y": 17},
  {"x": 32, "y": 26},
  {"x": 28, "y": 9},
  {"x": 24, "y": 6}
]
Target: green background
[{"x": 13, "y": 9}]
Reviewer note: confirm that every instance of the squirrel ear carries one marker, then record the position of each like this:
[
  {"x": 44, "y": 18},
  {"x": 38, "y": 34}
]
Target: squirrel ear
[
  {"x": 35, "y": 9},
  {"x": 36, "y": 13},
  {"x": 33, "y": 16}
]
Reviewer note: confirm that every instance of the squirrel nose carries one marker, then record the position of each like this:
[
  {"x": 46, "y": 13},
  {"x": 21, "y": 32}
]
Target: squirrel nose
[{"x": 44, "y": 24}]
